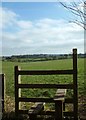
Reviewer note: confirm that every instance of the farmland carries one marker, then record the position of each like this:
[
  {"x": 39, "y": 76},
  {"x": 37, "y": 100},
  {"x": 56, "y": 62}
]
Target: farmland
[{"x": 8, "y": 70}]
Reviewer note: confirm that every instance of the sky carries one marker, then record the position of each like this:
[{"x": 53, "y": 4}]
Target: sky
[
  {"x": 39, "y": 0},
  {"x": 38, "y": 28}
]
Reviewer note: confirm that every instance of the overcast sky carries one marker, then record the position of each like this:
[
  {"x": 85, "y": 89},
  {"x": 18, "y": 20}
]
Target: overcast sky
[{"x": 34, "y": 27}]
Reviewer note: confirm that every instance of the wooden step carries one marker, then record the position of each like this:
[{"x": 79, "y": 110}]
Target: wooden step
[
  {"x": 60, "y": 94},
  {"x": 36, "y": 108}
]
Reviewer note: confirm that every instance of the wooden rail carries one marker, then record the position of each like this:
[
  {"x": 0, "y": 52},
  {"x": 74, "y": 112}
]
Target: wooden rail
[
  {"x": 44, "y": 72},
  {"x": 61, "y": 86},
  {"x": 60, "y": 100}
]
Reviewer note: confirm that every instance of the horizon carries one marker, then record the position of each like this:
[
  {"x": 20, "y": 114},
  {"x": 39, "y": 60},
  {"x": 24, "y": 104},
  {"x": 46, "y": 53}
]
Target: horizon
[{"x": 42, "y": 54}]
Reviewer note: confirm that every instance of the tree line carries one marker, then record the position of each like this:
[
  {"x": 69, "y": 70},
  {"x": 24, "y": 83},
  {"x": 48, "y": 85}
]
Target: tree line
[{"x": 39, "y": 57}]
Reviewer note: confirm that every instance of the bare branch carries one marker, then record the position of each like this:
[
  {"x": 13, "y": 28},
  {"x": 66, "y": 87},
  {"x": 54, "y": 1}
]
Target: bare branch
[
  {"x": 72, "y": 9},
  {"x": 79, "y": 23},
  {"x": 76, "y": 9}
]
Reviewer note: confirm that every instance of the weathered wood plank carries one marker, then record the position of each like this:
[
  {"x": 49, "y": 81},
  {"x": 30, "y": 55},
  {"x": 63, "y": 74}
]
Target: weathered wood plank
[
  {"x": 67, "y": 100},
  {"x": 44, "y": 72},
  {"x": 60, "y": 95},
  {"x": 61, "y": 92},
  {"x": 47, "y": 100},
  {"x": 2, "y": 92},
  {"x": 61, "y": 86},
  {"x": 16, "y": 90},
  {"x": 58, "y": 110},
  {"x": 36, "y": 108},
  {"x": 75, "y": 96},
  {"x": 59, "y": 100},
  {"x": 48, "y": 112}
]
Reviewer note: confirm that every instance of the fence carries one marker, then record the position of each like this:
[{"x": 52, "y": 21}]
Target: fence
[
  {"x": 2, "y": 93},
  {"x": 59, "y": 113}
]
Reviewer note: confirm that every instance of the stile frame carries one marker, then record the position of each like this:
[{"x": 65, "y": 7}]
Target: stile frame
[{"x": 73, "y": 86}]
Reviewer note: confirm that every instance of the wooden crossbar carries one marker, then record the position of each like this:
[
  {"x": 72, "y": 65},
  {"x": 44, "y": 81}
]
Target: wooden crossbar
[
  {"x": 44, "y": 72},
  {"x": 58, "y": 86}
]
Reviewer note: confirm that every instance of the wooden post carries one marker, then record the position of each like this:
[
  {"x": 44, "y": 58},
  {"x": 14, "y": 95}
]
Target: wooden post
[
  {"x": 2, "y": 94},
  {"x": 59, "y": 110},
  {"x": 17, "y": 90},
  {"x": 75, "y": 84}
]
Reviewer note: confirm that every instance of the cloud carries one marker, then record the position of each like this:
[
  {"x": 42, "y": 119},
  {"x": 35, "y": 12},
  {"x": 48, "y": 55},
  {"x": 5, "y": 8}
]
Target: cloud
[
  {"x": 39, "y": 36},
  {"x": 24, "y": 24},
  {"x": 8, "y": 17}
]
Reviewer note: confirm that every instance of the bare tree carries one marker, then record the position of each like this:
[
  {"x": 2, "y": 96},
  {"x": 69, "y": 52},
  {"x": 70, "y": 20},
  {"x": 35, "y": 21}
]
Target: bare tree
[{"x": 78, "y": 9}]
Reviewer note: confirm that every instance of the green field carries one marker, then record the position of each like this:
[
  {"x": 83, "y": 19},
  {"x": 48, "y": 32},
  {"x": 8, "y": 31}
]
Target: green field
[{"x": 8, "y": 70}]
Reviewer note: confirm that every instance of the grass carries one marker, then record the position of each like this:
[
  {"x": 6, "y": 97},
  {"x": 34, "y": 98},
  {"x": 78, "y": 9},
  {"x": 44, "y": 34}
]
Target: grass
[{"x": 8, "y": 70}]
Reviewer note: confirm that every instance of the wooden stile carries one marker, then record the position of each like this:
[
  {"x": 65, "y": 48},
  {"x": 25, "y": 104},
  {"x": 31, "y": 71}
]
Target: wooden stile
[{"x": 59, "y": 98}]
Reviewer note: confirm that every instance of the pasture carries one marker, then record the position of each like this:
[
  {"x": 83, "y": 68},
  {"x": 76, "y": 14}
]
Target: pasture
[{"x": 8, "y": 70}]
